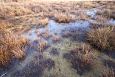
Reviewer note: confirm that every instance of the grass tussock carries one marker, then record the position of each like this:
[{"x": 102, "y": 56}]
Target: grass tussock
[
  {"x": 84, "y": 53},
  {"x": 109, "y": 13},
  {"x": 62, "y": 18},
  {"x": 11, "y": 46},
  {"x": 43, "y": 21},
  {"x": 102, "y": 38},
  {"x": 82, "y": 58},
  {"x": 4, "y": 56},
  {"x": 14, "y": 10},
  {"x": 108, "y": 73}
]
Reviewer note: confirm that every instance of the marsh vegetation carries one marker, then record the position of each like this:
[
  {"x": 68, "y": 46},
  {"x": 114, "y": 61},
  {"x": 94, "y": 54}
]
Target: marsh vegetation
[{"x": 57, "y": 39}]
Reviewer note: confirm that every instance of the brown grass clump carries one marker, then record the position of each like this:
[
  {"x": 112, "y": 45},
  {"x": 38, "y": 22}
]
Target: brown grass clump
[
  {"x": 112, "y": 13},
  {"x": 43, "y": 21},
  {"x": 102, "y": 37},
  {"x": 62, "y": 18},
  {"x": 108, "y": 73},
  {"x": 109, "y": 13},
  {"x": 82, "y": 58},
  {"x": 84, "y": 53},
  {"x": 11, "y": 46},
  {"x": 13, "y": 10},
  {"x": 42, "y": 44},
  {"x": 4, "y": 56},
  {"x": 112, "y": 39},
  {"x": 88, "y": 4},
  {"x": 4, "y": 25}
]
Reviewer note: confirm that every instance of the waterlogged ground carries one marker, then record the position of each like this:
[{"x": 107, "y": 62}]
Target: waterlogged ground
[{"x": 49, "y": 49}]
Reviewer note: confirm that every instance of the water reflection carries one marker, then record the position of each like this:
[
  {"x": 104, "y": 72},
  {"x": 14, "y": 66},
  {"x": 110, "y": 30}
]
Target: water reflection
[{"x": 56, "y": 29}]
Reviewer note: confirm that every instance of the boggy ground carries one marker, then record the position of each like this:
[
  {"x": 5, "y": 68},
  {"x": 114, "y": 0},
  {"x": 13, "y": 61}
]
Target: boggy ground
[{"x": 56, "y": 36}]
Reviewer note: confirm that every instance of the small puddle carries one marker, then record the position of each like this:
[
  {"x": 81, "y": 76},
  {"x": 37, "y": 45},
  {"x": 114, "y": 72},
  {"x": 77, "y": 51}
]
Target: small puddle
[
  {"x": 56, "y": 29},
  {"x": 111, "y": 21},
  {"x": 91, "y": 12},
  {"x": 49, "y": 35},
  {"x": 54, "y": 36}
]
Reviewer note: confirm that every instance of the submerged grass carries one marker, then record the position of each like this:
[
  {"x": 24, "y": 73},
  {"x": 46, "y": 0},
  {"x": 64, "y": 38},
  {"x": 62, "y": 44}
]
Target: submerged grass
[
  {"x": 83, "y": 58},
  {"x": 109, "y": 72}
]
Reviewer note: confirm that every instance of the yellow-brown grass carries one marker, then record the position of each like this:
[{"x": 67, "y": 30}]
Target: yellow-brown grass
[
  {"x": 109, "y": 72},
  {"x": 14, "y": 10},
  {"x": 102, "y": 37},
  {"x": 85, "y": 53},
  {"x": 62, "y": 18},
  {"x": 83, "y": 58},
  {"x": 43, "y": 21},
  {"x": 4, "y": 56},
  {"x": 11, "y": 46}
]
